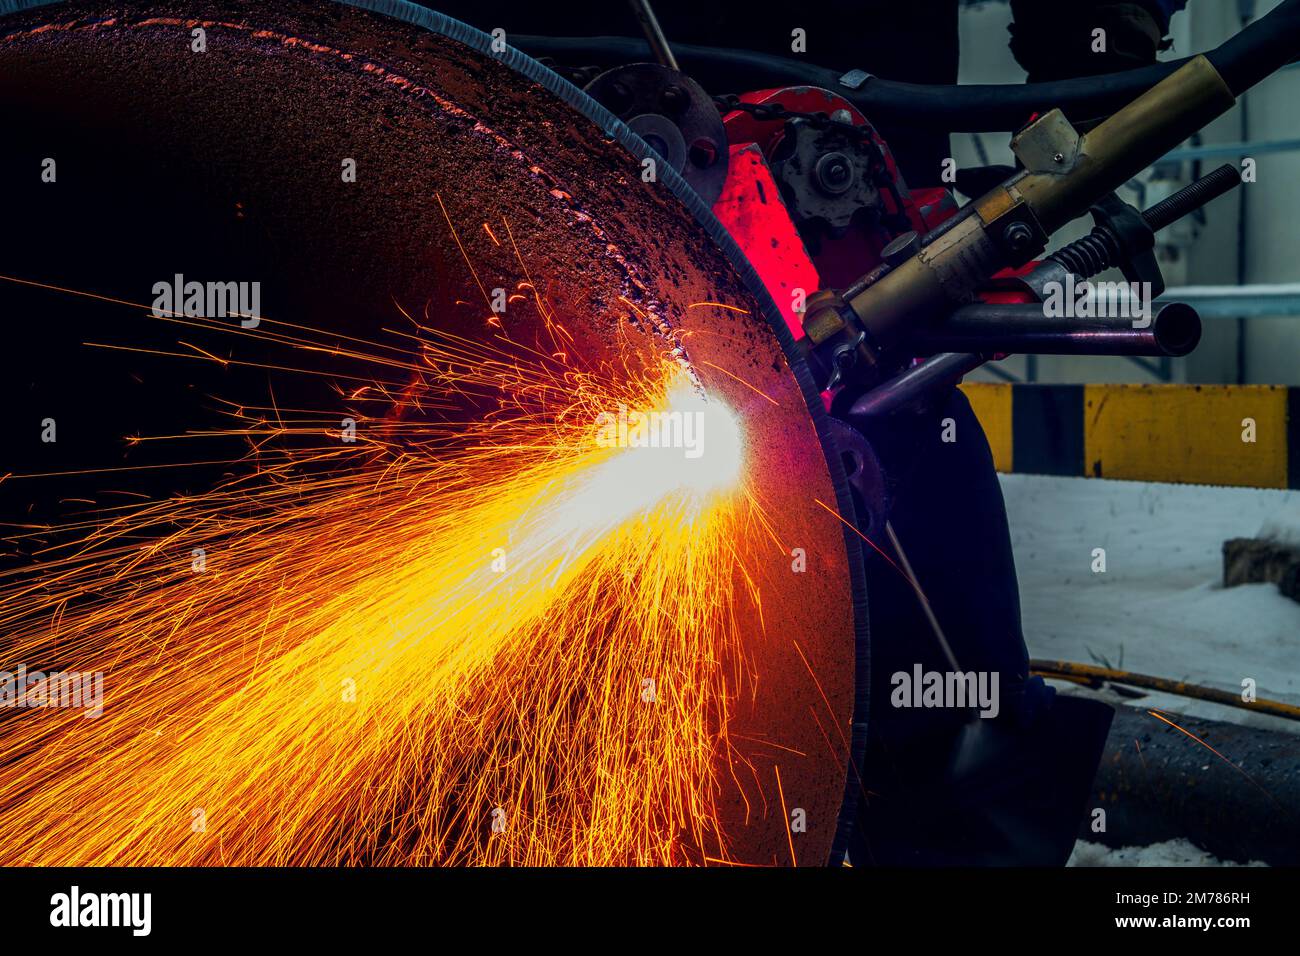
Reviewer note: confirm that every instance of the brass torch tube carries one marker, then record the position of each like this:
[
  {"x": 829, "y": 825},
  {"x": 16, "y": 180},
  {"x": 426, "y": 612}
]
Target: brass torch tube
[
  {"x": 947, "y": 270},
  {"x": 1129, "y": 141}
]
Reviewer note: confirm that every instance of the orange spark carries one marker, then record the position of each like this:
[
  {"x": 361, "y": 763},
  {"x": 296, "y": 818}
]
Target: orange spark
[
  {"x": 496, "y": 642},
  {"x": 719, "y": 305}
]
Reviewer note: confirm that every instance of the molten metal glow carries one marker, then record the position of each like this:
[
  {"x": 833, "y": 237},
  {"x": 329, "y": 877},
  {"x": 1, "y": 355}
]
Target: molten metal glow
[{"x": 476, "y": 640}]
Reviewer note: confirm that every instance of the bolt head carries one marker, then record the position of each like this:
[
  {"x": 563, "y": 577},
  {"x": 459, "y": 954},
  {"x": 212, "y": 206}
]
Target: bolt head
[
  {"x": 834, "y": 173},
  {"x": 1017, "y": 236}
]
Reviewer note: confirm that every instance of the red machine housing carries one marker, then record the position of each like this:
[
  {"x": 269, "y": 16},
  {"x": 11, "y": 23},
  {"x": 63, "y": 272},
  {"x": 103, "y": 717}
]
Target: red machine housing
[{"x": 753, "y": 211}]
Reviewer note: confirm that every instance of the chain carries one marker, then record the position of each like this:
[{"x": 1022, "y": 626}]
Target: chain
[{"x": 775, "y": 111}]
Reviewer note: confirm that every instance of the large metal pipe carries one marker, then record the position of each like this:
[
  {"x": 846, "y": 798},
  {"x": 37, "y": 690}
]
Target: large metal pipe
[
  {"x": 1159, "y": 783},
  {"x": 470, "y": 163}
]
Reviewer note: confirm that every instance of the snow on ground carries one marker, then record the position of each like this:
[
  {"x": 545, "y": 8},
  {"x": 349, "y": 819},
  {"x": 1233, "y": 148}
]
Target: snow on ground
[
  {"x": 1169, "y": 853},
  {"x": 1160, "y": 607}
]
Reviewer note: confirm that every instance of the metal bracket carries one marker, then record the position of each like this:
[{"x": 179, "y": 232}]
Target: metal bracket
[
  {"x": 854, "y": 79},
  {"x": 1047, "y": 145}
]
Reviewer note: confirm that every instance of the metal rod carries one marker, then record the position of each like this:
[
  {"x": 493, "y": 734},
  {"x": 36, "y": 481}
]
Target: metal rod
[
  {"x": 1230, "y": 149},
  {"x": 1092, "y": 675},
  {"x": 654, "y": 33},
  {"x": 1101, "y": 249},
  {"x": 1172, "y": 329},
  {"x": 921, "y": 597},
  {"x": 1192, "y": 197},
  {"x": 914, "y": 384},
  {"x": 1234, "y": 301}
]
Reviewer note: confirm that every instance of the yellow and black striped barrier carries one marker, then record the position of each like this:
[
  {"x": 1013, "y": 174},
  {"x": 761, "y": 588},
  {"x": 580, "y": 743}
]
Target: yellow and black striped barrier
[{"x": 1245, "y": 435}]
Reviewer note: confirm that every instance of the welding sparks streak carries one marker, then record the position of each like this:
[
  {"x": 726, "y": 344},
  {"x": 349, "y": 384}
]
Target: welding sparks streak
[
  {"x": 718, "y": 305},
  {"x": 785, "y": 813},
  {"x": 1159, "y": 716},
  {"x": 854, "y": 528},
  {"x": 736, "y": 378},
  {"x": 490, "y": 643}
]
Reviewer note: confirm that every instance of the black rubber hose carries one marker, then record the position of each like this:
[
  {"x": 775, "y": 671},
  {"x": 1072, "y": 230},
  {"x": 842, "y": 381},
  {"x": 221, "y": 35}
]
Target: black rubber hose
[
  {"x": 1262, "y": 48},
  {"x": 1257, "y": 51}
]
